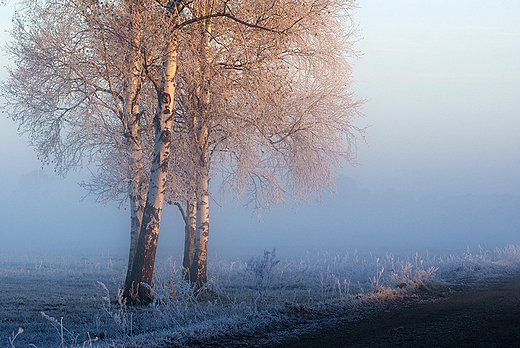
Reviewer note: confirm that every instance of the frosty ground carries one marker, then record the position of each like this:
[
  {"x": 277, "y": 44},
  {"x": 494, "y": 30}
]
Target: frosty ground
[{"x": 265, "y": 300}]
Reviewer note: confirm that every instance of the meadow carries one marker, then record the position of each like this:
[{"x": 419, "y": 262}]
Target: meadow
[{"x": 48, "y": 301}]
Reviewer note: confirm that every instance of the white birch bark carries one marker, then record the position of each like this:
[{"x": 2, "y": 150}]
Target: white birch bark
[
  {"x": 137, "y": 184},
  {"x": 198, "y": 269},
  {"x": 143, "y": 264},
  {"x": 198, "y": 272}
]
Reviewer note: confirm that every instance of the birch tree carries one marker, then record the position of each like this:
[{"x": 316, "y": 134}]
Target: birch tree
[
  {"x": 143, "y": 263},
  {"x": 198, "y": 125},
  {"x": 270, "y": 108}
]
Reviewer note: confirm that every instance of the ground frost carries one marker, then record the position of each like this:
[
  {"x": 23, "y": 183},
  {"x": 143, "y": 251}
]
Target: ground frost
[{"x": 257, "y": 301}]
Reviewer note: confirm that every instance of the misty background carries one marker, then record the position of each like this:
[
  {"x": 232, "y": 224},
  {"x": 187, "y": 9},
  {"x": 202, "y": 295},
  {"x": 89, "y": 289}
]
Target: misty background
[{"x": 439, "y": 173}]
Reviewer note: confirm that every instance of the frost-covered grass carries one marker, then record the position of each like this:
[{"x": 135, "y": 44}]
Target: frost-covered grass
[{"x": 72, "y": 302}]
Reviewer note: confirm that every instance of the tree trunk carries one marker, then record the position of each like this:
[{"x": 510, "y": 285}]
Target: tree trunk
[
  {"x": 132, "y": 127},
  {"x": 189, "y": 237},
  {"x": 137, "y": 184},
  {"x": 137, "y": 187},
  {"x": 144, "y": 259},
  {"x": 198, "y": 268}
]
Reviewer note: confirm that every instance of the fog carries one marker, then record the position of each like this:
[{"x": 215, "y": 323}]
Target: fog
[{"x": 439, "y": 172}]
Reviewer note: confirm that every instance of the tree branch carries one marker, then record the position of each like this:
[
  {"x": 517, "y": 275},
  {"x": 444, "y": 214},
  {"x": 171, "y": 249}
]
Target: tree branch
[
  {"x": 184, "y": 217},
  {"x": 230, "y": 16}
]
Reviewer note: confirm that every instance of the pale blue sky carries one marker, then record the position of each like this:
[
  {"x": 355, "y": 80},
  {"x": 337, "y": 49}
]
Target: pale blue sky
[{"x": 442, "y": 79}]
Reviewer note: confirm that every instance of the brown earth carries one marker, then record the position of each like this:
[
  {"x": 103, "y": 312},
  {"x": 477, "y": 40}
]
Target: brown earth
[{"x": 471, "y": 316}]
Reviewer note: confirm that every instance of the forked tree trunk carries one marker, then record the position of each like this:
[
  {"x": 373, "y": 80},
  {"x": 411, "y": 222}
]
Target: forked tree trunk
[{"x": 144, "y": 259}]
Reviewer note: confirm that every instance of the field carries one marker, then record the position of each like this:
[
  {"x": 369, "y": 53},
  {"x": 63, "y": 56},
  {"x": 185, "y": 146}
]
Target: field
[{"x": 73, "y": 302}]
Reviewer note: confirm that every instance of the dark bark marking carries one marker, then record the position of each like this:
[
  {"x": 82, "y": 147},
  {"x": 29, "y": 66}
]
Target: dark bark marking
[
  {"x": 166, "y": 136},
  {"x": 165, "y": 98}
]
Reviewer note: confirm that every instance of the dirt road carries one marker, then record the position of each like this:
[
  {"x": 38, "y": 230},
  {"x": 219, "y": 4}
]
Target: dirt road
[{"x": 485, "y": 316}]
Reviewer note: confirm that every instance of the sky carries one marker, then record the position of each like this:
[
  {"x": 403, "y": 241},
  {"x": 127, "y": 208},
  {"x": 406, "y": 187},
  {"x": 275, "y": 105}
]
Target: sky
[{"x": 439, "y": 172}]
